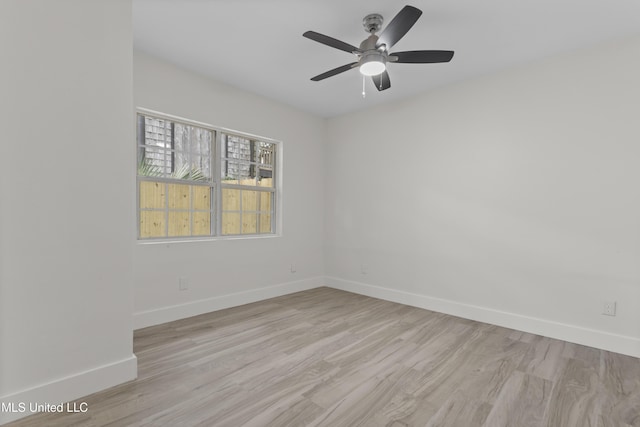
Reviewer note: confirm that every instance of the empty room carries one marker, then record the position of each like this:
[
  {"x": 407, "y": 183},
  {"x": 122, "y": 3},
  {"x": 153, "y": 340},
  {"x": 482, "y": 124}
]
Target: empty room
[{"x": 297, "y": 213}]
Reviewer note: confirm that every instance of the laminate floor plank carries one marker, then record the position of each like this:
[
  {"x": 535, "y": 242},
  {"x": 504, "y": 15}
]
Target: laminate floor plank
[
  {"x": 521, "y": 403},
  {"x": 330, "y": 358},
  {"x": 544, "y": 359},
  {"x": 575, "y": 396},
  {"x": 461, "y": 410},
  {"x": 620, "y": 390}
]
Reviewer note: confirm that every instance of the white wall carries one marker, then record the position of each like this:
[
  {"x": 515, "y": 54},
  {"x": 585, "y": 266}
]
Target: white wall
[
  {"x": 67, "y": 194},
  {"x": 224, "y": 273},
  {"x": 513, "y": 198}
]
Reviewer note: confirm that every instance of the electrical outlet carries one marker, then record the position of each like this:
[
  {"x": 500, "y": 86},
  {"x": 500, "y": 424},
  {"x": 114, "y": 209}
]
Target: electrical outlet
[
  {"x": 183, "y": 283},
  {"x": 293, "y": 268},
  {"x": 609, "y": 308}
]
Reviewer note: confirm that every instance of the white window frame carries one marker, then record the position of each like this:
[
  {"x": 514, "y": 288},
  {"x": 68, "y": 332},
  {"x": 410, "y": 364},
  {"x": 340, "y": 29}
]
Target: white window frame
[{"x": 216, "y": 183}]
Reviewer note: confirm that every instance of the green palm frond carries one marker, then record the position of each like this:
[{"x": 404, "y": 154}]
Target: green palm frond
[{"x": 146, "y": 168}]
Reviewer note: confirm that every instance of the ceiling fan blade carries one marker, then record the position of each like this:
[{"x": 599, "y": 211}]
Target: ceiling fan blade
[
  {"x": 333, "y": 72},
  {"x": 422, "y": 56},
  {"x": 330, "y": 41},
  {"x": 381, "y": 81},
  {"x": 399, "y": 26}
]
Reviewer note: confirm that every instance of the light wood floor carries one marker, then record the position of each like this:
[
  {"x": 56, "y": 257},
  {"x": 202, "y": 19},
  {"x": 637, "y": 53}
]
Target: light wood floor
[{"x": 330, "y": 358}]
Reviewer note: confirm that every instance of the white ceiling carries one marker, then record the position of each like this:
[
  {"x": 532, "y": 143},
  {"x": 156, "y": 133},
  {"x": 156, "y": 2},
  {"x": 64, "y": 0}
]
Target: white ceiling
[{"x": 257, "y": 45}]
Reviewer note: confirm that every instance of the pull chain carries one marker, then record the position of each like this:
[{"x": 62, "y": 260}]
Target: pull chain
[{"x": 364, "y": 94}]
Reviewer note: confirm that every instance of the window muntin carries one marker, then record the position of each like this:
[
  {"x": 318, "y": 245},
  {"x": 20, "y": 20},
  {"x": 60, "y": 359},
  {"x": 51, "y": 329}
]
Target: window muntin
[{"x": 180, "y": 195}]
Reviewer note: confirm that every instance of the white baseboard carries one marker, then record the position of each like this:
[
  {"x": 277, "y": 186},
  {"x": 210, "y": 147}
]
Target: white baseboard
[
  {"x": 147, "y": 318},
  {"x": 68, "y": 388},
  {"x": 571, "y": 333}
]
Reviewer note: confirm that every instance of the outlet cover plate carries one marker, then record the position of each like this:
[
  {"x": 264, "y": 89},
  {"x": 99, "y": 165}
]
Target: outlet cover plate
[{"x": 609, "y": 308}]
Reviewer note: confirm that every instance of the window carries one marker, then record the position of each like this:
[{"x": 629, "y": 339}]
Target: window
[
  {"x": 247, "y": 185},
  {"x": 196, "y": 181}
]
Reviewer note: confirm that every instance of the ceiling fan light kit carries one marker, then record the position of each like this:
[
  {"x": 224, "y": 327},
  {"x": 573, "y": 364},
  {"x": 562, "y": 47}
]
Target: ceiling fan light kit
[
  {"x": 373, "y": 53},
  {"x": 372, "y": 65}
]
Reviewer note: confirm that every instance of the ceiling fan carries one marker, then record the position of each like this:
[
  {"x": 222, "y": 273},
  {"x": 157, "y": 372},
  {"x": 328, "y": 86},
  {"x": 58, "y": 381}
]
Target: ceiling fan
[{"x": 373, "y": 53}]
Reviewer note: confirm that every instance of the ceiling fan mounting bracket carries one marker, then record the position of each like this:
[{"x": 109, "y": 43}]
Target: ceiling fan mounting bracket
[{"x": 372, "y": 23}]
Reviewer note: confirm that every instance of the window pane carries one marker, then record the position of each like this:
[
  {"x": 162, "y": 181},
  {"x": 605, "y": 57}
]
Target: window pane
[
  {"x": 230, "y": 199},
  {"x": 236, "y": 147},
  {"x": 201, "y": 197},
  {"x": 200, "y": 168},
  {"x": 182, "y": 137},
  {"x": 266, "y": 154},
  {"x": 181, "y": 163},
  {"x": 249, "y": 223},
  {"x": 202, "y": 142},
  {"x": 152, "y": 224},
  {"x": 265, "y": 201},
  {"x": 174, "y": 150},
  {"x": 249, "y": 200},
  {"x": 230, "y": 223},
  {"x": 157, "y": 132},
  {"x": 193, "y": 152},
  {"x": 190, "y": 167},
  {"x": 247, "y": 162},
  {"x": 154, "y": 162},
  {"x": 265, "y": 182},
  {"x": 179, "y": 224},
  {"x": 238, "y": 173},
  {"x": 179, "y": 196},
  {"x": 152, "y": 195},
  {"x": 265, "y": 223},
  {"x": 201, "y": 223}
]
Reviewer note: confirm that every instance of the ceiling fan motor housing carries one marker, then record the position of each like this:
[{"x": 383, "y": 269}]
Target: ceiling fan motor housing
[{"x": 370, "y": 43}]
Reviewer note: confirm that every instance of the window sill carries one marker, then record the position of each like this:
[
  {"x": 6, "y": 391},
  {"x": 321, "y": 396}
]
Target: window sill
[{"x": 171, "y": 241}]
